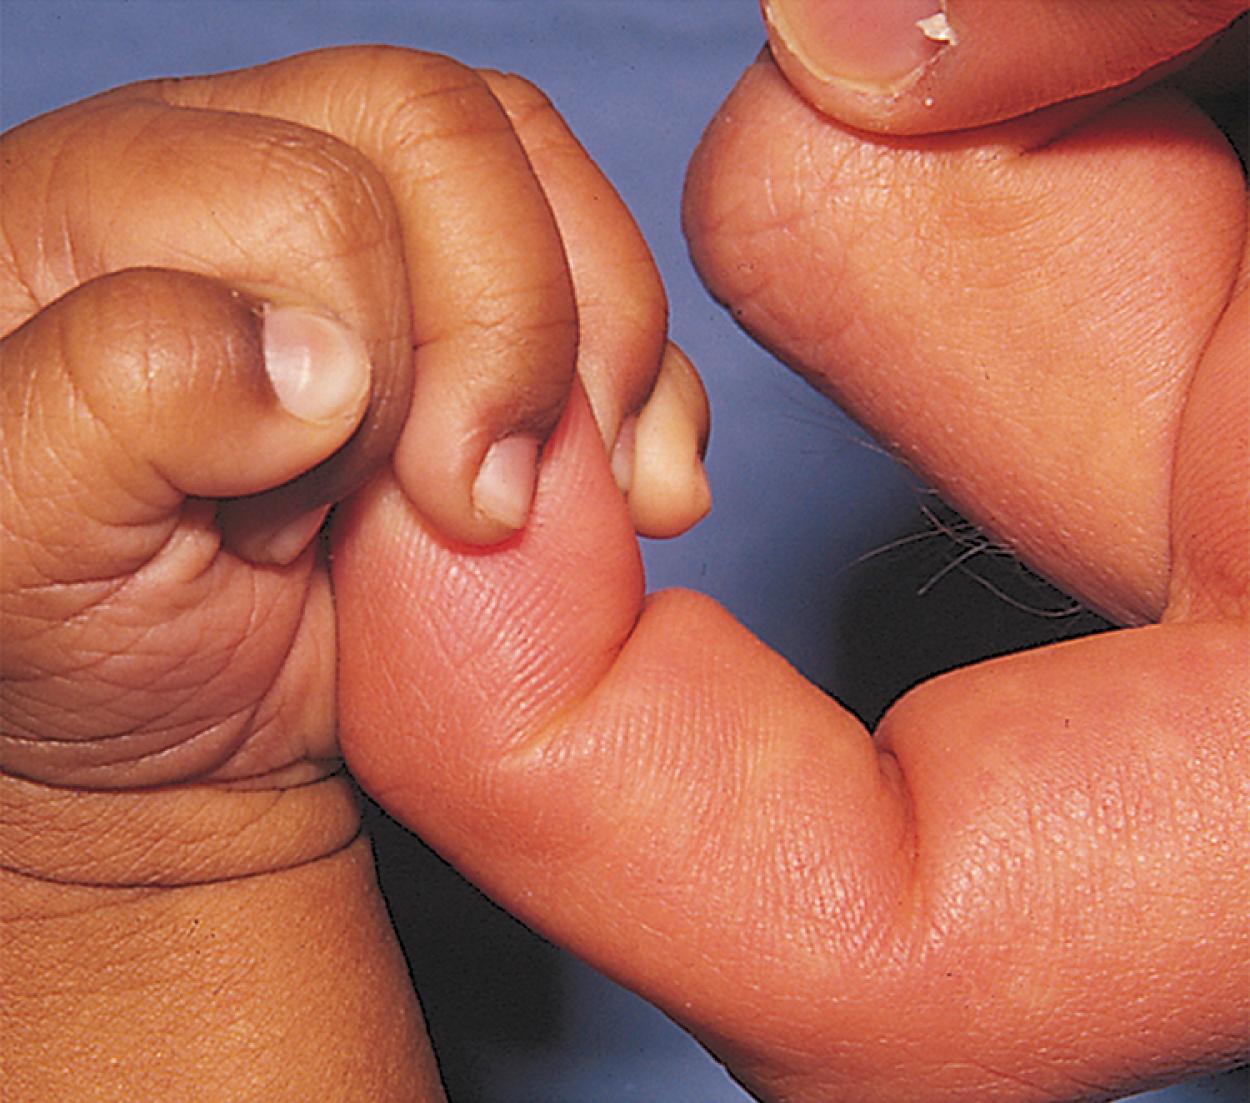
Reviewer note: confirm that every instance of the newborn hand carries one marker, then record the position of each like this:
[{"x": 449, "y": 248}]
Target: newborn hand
[
  {"x": 217, "y": 293},
  {"x": 1029, "y": 882}
]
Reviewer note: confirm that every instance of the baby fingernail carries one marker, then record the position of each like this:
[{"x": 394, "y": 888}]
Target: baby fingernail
[
  {"x": 288, "y": 543},
  {"x": 873, "y": 46},
  {"x": 319, "y": 369},
  {"x": 623, "y": 453},
  {"x": 504, "y": 487}
]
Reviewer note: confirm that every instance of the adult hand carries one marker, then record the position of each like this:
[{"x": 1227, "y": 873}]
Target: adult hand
[
  {"x": 1029, "y": 882},
  {"x": 215, "y": 295}
]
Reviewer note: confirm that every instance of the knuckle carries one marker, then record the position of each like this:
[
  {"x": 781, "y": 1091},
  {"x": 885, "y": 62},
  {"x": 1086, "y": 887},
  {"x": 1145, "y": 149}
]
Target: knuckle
[
  {"x": 326, "y": 200},
  {"x": 431, "y": 99},
  {"x": 521, "y": 98}
]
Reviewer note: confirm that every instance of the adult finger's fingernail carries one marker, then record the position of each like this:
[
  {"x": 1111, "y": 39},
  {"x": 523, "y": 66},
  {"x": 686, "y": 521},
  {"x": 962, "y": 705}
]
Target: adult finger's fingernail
[
  {"x": 873, "y": 46},
  {"x": 504, "y": 487},
  {"x": 319, "y": 369}
]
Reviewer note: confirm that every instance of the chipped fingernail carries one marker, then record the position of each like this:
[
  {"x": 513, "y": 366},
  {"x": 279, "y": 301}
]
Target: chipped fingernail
[
  {"x": 318, "y": 367},
  {"x": 504, "y": 488},
  {"x": 873, "y": 46}
]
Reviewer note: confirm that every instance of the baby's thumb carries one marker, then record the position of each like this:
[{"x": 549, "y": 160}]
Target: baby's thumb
[
  {"x": 141, "y": 389},
  {"x": 924, "y": 66}
]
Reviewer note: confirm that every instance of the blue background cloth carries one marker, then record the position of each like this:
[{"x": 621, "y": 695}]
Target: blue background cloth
[{"x": 818, "y": 541}]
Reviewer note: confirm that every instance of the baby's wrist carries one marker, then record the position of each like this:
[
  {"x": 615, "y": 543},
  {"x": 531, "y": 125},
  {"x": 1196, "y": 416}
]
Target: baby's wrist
[
  {"x": 174, "y": 836},
  {"x": 283, "y": 985}
]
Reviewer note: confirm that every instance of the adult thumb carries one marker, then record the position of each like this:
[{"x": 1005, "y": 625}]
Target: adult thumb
[{"x": 924, "y": 66}]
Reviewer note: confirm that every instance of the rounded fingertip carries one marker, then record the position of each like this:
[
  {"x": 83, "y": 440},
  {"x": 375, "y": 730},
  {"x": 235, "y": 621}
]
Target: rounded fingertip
[
  {"x": 878, "y": 47},
  {"x": 503, "y": 491},
  {"x": 668, "y": 489},
  {"x": 318, "y": 367},
  {"x": 676, "y": 500}
]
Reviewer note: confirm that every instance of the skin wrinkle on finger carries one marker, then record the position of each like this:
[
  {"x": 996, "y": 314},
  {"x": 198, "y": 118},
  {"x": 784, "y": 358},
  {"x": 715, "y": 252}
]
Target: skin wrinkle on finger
[
  {"x": 446, "y": 116},
  {"x": 504, "y": 316},
  {"x": 16, "y": 299},
  {"x": 147, "y": 356},
  {"x": 147, "y": 495},
  {"x": 426, "y": 135},
  {"x": 326, "y": 187},
  {"x": 27, "y": 266},
  {"x": 338, "y": 218}
]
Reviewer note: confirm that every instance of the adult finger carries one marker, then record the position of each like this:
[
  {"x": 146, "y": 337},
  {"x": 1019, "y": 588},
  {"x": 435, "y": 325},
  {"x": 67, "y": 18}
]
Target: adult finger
[
  {"x": 926, "y": 66},
  {"x": 1041, "y": 859},
  {"x": 1018, "y": 310},
  {"x": 283, "y": 213},
  {"x": 122, "y": 400},
  {"x": 492, "y": 307}
]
